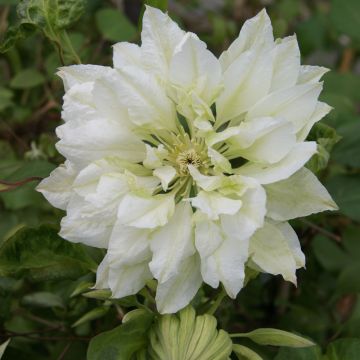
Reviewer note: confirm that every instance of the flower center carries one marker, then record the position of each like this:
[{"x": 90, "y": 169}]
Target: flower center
[{"x": 188, "y": 157}]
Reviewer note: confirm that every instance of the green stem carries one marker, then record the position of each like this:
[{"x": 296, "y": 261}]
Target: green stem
[
  {"x": 217, "y": 302},
  {"x": 64, "y": 35}
]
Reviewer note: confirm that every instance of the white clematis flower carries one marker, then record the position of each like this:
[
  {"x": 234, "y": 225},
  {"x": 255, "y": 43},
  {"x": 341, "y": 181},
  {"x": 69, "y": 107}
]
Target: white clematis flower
[{"x": 186, "y": 167}]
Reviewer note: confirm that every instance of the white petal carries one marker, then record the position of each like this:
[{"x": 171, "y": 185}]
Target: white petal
[
  {"x": 166, "y": 174},
  {"x": 78, "y": 106},
  {"x": 293, "y": 242},
  {"x": 128, "y": 280},
  {"x": 208, "y": 183},
  {"x": 79, "y": 74},
  {"x": 230, "y": 252},
  {"x": 172, "y": 244},
  {"x": 146, "y": 212},
  {"x": 220, "y": 162},
  {"x": 296, "y": 159},
  {"x": 295, "y": 104},
  {"x": 286, "y": 64},
  {"x": 311, "y": 74},
  {"x": 97, "y": 139},
  {"x": 128, "y": 256},
  {"x": 257, "y": 136},
  {"x": 159, "y": 37},
  {"x": 224, "y": 248},
  {"x": 194, "y": 68},
  {"x": 88, "y": 225},
  {"x": 154, "y": 156},
  {"x": 146, "y": 100},
  {"x": 321, "y": 110},
  {"x": 126, "y": 54},
  {"x": 300, "y": 195},
  {"x": 256, "y": 33},
  {"x": 57, "y": 188},
  {"x": 178, "y": 291},
  {"x": 246, "y": 81},
  {"x": 213, "y": 204},
  {"x": 271, "y": 251},
  {"x": 102, "y": 274}
]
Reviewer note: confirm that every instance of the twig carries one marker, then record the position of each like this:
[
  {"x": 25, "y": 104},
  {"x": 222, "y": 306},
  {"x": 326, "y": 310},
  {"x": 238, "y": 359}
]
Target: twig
[
  {"x": 63, "y": 353},
  {"x": 321, "y": 230},
  {"x": 347, "y": 60},
  {"x": 14, "y": 185}
]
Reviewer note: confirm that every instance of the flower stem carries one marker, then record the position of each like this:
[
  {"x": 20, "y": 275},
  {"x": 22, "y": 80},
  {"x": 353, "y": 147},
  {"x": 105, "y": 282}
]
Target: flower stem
[{"x": 217, "y": 302}]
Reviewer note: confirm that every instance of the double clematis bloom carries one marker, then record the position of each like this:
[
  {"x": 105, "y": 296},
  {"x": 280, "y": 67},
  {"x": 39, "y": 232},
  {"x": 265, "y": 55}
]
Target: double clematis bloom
[{"x": 185, "y": 167}]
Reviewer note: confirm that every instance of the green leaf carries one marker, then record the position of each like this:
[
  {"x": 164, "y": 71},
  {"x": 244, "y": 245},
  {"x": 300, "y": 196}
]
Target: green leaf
[
  {"x": 275, "y": 337},
  {"x": 3, "y": 347},
  {"x": 5, "y": 98},
  {"x": 50, "y": 15},
  {"x": 160, "y": 4},
  {"x": 347, "y": 151},
  {"x": 345, "y": 17},
  {"x": 329, "y": 254},
  {"x": 114, "y": 25},
  {"x": 26, "y": 79},
  {"x": 101, "y": 294},
  {"x": 92, "y": 315},
  {"x": 310, "y": 353},
  {"x": 43, "y": 299},
  {"x": 345, "y": 190},
  {"x": 41, "y": 254},
  {"x": 344, "y": 349},
  {"x": 245, "y": 353},
  {"x": 326, "y": 137},
  {"x": 81, "y": 288},
  {"x": 124, "y": 341}
]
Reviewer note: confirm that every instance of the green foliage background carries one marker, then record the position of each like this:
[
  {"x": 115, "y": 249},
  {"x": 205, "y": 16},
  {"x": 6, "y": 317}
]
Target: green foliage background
[{"x": 43, "y": 278}]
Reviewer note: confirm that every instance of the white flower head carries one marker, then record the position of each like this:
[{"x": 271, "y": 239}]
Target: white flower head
[{"x": 186, "y": 167}]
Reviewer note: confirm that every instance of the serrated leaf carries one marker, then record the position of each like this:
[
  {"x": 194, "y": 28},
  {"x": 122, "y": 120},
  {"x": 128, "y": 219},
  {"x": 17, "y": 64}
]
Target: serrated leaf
[
  {"x": 114, "y": 25},
  {"x": 16, "y": 33},
  {"x": 245, "y": 353},
  {"x": 26, "y": 79},
  {"x": 276, "y": 337},
  {"x": 124, "y": 341},
  {"x": 51, "y": 15},
  {"x": 92, "y": 315},
  {"x": 40, "y": 254}
]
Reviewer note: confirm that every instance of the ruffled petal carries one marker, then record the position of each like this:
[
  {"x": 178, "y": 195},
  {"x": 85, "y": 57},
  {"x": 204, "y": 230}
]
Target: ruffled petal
[
  {"x": 57, "y": 188},
  {"x": 147, "y": 212}
]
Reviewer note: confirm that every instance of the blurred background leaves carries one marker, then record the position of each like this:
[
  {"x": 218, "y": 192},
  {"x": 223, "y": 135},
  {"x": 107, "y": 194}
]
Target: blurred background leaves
[{"x": 48, "y": 317}]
